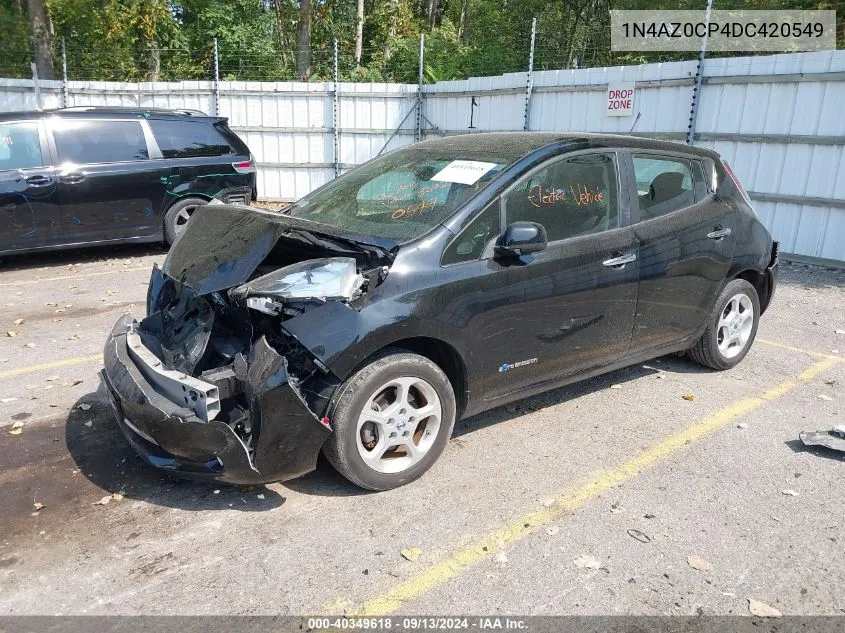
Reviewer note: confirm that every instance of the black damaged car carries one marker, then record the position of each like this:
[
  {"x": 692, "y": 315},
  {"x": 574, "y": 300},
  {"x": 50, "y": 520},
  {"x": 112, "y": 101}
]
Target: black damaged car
[{"x": 428, "y": 285}]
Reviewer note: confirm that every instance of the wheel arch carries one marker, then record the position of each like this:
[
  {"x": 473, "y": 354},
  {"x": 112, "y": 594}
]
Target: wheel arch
[
  {"x": 442, "y": 354},
  {"x": 762, "y": 283}
]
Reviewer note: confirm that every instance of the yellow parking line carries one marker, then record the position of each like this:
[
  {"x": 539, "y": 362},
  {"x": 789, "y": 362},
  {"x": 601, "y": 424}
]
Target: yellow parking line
[
  {"x": 570, "y": 500},
  {"x": 67, "y": 362},
  {"x": 39, "y": 280},
  {"x": 800, "y": 350}
]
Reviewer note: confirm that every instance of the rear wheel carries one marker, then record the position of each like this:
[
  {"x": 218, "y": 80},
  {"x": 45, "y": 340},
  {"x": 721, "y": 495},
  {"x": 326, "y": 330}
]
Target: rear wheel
[
  {"x": 391, "y": 420},
  {"x": 731, "y": 329},
  {"x": 178, "y": 215}
]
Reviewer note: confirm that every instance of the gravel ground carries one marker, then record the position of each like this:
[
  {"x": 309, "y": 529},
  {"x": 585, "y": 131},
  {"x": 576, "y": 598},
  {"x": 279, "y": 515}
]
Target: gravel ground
[{"x": 585, "y": 500}]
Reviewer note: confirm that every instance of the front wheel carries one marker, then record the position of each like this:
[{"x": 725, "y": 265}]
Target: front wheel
[
  {"x": 391, "y": 421},
  {"x": 731, "y": 328}
]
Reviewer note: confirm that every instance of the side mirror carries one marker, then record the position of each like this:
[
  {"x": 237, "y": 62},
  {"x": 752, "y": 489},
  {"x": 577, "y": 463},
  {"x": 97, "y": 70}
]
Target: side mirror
[{"x": 521, "y": 238}]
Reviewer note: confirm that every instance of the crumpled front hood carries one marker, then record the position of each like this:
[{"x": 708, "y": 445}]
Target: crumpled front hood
[{"x": 223, "y": 245}]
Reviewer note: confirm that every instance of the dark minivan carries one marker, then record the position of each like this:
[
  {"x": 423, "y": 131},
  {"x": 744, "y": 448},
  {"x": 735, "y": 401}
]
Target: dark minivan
[{"x": 95, "y": 175}]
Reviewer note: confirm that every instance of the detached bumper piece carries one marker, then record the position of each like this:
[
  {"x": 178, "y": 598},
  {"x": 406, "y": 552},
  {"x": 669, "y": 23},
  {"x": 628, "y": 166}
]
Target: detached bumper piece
[{"x": 242, "y": 424}]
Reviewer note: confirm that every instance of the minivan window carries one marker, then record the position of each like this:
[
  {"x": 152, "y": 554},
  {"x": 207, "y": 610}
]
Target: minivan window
[
  {"x": 664, "y": 184},
  {"x": 20, "y": 147},
  {"x": 85, "y": 141},
  {"x": 188, "y": 139},
  {"x": 571, "y": 197}
]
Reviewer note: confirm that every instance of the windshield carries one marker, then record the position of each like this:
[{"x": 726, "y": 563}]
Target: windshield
[{"x": 402, "y": 195}]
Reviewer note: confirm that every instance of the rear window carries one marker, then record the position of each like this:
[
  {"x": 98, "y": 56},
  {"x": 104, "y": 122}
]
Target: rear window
[
  {"x": 189, "y": 139},
  {"x": 19, "y": 145},
  {"x": 85, "y": 141}
]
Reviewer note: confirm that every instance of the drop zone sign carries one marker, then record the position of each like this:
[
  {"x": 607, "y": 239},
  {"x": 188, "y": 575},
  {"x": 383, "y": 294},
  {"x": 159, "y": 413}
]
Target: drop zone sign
[{"x": 620, "y": 99}]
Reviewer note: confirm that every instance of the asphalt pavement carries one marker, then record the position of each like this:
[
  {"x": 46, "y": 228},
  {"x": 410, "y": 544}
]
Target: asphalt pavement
[{"x": 613, "y": 496}]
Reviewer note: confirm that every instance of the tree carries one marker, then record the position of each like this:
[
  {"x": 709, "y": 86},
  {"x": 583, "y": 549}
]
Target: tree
[
  {"x": 359, "y": 32},
  {"x": 42, "y": 38},
  {"x": 303, "y": 40}
]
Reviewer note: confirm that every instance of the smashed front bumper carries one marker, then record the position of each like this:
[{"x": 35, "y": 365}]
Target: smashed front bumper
[{"x": 183, "y": 436}]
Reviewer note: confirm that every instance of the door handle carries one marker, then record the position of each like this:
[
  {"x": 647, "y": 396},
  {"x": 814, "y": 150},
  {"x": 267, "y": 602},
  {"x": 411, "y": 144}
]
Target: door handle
[
  {"x": 73, "y": 178},
  {"x": 718, "y": 233},
  {"x": 619, "y": 261},
  {"x": 38, "y": 180}
]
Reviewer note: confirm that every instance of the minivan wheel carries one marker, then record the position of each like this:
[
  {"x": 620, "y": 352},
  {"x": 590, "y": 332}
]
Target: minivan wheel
[
  {"x": 731, "y": 328},
  {"x": 177, "y": 217},
  {"x": 391, "y": 420}
]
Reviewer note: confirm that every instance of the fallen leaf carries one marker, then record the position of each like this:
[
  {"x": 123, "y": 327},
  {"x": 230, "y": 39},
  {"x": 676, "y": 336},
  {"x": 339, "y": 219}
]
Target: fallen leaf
[
  {"x": 115, "y": 496},
  {"x": 11, "y": 334},
  {"x": 411, "y": 553},
  {"x": 17, "y": 428},
  {"x": 38, "y": 506},
  {"x": 762, "y": 610},
  {"x": 18, "y": 321},
  {"x": 824, "y": 397},
  {"x": 831, "y": 381},
  {"x": 688, "y": 396},
  {"x": 789, "y": 493},
  {"x": 699, "y": 563},
  {"x": 585, "y": 561}
]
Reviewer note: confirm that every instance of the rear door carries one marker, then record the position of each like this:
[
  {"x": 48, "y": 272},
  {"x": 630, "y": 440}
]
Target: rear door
[
  {"x": 686, "y": 242},
  {"x": 570, "y": 307},
  {"x": 110, "y": 186},
  {"x": 29, "y": 210},
  {"x": 200, "y": 154}
]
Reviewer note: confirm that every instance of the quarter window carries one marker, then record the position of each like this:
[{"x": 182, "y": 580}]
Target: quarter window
[
  {"x": 20, "y": 147},
  {"x": 571, "y": 197},
  {"x": 82, "y": 141},
  {"x": 471, "y": 241},
  {"x": 664, "y": 185},
  {"x": 188, "y": 139}
]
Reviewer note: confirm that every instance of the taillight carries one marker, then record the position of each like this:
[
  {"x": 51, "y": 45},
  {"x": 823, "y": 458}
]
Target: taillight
[
  {"x": 245, "y": 166},
  {"x": 738, "y": 184}
]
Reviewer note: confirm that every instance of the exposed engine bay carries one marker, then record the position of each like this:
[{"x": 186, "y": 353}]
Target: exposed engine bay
[{"x": 231, "y": 340}]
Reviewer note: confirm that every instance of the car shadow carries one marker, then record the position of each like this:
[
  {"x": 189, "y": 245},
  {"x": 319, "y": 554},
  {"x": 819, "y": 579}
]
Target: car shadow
[
  {"x": 326, "y": 482},
  {"x": 91, "y": 254},
  {"x": 104, "y": 457}
]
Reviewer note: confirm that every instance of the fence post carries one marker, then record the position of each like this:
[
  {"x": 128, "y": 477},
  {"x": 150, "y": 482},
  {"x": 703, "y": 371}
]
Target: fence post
[
  {"x": 216, "y": 80},
  {"x": 336, "y": 112},
  {"x": 36, "y": 85},
  {"x": 65, "y": 99},
  {"x": 699, "y": 77},
  {"x": 418, "y": 128},
  {"x": 529, "y": 83}
]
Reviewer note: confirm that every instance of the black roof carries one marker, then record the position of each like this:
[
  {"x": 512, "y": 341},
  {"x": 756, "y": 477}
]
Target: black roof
[
  {"x": 108, "y": 111},
  {"x": 524, "y": 143}
]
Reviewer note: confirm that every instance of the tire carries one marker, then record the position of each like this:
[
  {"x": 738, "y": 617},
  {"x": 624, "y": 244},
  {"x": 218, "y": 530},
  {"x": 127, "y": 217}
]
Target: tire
[
  {"x": 178, "y": 215},
  {"x": 354, "y": 435},
  {"x": 728, "y": 338}
]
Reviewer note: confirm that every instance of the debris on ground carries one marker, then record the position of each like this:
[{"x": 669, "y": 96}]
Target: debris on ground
[
  {"x": 552, "y": 530},
  {"x": 642, "y": 537},
  {"x": 696, "y": 562},
  {"x": 18, "y": 321},
  {"x": 547, "y": 503},
  {"x": 411, "y": 553},
  {"x": 688, "y": 397},
  {"x": 762, "y": 610},
  {"x": 789, "y": 493},
  {"x": 11, "y": 334},
  {"x": 17, "y": 428},
  {"x": 833, "y": 439},
  {"x": 84, "y": 407},
  {"x": 115, "y": 496},
  {"x": 616, "y": 386},
  {"x": 585, "y": 561},
  {"x": 742, "y": 425},
  {"x": 830, "y": 381},
  {"x": 825, "y": 397}
]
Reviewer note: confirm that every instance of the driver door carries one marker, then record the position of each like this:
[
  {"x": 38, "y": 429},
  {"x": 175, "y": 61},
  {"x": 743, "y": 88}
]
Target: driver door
[{"x": 570, "y": 307}]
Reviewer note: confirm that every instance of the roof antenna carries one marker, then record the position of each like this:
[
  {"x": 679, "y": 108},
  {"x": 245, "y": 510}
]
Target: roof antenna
[{"x": 639, "y": 113}]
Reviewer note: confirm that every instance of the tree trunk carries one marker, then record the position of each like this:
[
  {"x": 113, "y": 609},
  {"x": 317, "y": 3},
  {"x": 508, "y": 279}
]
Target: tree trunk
[
  {"x": 42, "y": 38},
  {"x": 359, "y": 33},
  {"x": 431, "y": 13},
  {"x": 303, "y": 40},
  {"x": 155, "y": 61},
  {"x": 391, "y": 29},
  {"x": 463, "y": 28}
]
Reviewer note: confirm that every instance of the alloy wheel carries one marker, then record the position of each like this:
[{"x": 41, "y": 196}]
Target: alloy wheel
[
  {"x": 735, "y": 324},
  {"x": 399, "y": 424}
]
